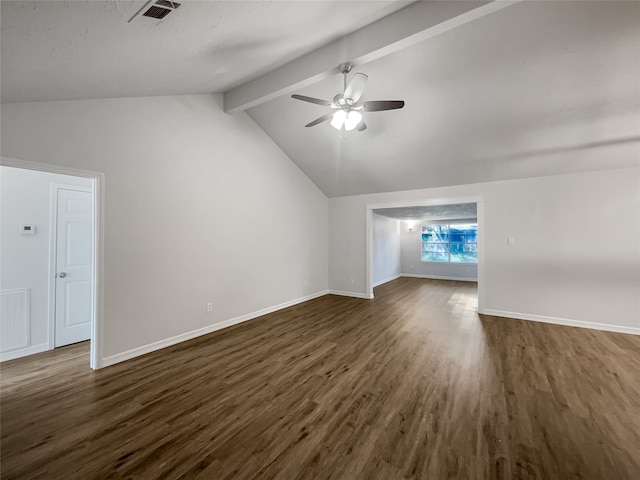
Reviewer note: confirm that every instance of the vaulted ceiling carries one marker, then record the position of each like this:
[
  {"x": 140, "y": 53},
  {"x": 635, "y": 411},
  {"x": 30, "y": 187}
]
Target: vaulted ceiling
[
  {"x": 493, "y": 90},
  {"x": 538, "y": 88}
]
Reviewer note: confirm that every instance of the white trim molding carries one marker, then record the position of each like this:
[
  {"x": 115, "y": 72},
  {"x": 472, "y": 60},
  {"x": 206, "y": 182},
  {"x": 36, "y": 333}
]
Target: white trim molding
[
  {"x": 167, "y": 342},
  {"x": 23, "y": 352},
  {"x": 563, "y": 321},
  {"x": 368, "y": 238},
  {"x": 438, "y": 277},
  {"x": 386, "y": 280},
  {"x": 97, "y": 313},
  {"x": 477, "y": 199},
  {"x": 351, "y": 294}
]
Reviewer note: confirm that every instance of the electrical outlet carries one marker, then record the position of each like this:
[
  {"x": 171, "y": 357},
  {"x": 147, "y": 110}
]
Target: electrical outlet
[
  {"x": 351, "y": 281},
  {"x": 511, "y": 240},
  {"x": 209, "y": 307}
]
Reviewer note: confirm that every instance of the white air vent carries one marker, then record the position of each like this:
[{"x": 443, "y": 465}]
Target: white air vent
[
  {"x": 155, "y": 11},
  {"x": 14, "y": 311}
]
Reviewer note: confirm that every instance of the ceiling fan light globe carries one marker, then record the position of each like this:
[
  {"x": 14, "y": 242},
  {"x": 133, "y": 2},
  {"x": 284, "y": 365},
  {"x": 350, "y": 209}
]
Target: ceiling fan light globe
[
  {"x": 352, "y": 120},
  {"x": 338, "y": 119}
]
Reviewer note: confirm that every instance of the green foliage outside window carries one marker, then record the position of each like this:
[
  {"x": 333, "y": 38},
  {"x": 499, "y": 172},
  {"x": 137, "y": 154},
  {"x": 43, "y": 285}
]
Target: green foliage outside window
[{"x": 450, "y": 243}]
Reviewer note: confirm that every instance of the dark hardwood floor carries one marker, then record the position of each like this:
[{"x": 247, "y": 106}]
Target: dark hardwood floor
[{"x": 410, "y": 385}]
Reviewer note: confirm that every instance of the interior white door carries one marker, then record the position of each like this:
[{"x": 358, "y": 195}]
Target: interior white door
[{"x": 74, "y": 266}]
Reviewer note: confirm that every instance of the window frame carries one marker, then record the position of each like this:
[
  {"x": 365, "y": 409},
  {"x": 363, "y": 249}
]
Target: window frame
[{"x": 448, "y": 243}]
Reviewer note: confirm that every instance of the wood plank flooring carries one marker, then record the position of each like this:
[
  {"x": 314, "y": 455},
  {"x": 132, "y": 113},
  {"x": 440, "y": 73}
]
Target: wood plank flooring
[{"x": 411, "y": 385}]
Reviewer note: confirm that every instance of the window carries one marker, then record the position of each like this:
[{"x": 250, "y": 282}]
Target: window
[{"x": 450, "y": 243}]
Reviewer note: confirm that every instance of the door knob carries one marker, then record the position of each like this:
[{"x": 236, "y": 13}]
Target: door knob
[{"x": 62, "y": 274}]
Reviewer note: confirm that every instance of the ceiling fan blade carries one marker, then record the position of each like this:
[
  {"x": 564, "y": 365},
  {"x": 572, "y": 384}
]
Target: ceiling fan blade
[
  {"x": 361, "y": 126},
  {"x": 356, "y": 87},
  {"x": 317, "y": 101},
  {"x": 318, "y": 120},
  {"x": 380, "y": 105}
]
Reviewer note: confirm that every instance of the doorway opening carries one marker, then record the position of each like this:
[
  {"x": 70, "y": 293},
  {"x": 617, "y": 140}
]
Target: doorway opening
[
  {"x": 50, "y": 289},
  {"x": 437, "y": 239}
]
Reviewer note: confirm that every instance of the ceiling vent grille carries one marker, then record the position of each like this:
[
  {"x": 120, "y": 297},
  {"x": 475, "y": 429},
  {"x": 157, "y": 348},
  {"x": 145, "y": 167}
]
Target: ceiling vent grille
[{"x": 156, "y": 10}]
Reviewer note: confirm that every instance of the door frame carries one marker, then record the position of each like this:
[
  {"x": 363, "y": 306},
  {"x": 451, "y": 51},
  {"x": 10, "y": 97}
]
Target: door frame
[
  {"x": 53, "y": 257},
  {"x": 477, "y": 199},
  {"x": 97, "y": 320}
]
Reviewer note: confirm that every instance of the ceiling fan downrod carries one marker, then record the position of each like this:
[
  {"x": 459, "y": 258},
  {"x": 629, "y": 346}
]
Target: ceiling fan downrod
[{"x": 344, "y": 69}]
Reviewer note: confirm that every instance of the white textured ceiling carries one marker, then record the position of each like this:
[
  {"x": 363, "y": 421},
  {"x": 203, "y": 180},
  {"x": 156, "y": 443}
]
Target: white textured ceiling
[
  {"x": 538, "y": 88},
  {"x": 63, "y": 50},
  {"x": 431, "y": 212}
]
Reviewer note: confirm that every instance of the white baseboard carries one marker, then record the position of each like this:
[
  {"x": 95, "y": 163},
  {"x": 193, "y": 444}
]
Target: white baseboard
[
  {"x": 377, "y": 284},
  {"x": 437, "y": 277},
  {"x": 351, "y": 294},
  {"x": 563, "y": 321},
  {"x": 167, "y": 342},
  {"x": 23, "y": 352}
]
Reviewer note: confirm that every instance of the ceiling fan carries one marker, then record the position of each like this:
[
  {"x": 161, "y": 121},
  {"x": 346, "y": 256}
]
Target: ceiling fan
[{"x": 347, "y": 107}]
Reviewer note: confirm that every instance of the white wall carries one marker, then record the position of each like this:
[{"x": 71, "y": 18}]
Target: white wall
[
  {"x": 200, "y": 207},
  {"x": 385, "y": 249},
  {"x": 25, "y": 198},
  {"x": 412, "y": 264},
  {"x": 577, "y": 253}
]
